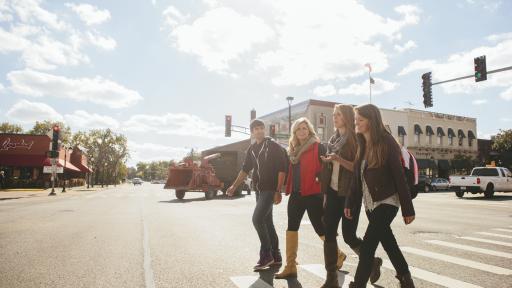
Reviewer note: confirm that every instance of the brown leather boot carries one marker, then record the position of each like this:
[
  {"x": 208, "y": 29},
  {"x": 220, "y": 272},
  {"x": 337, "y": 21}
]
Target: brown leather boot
[
  {"x": 405, "y": 281},
  {"x": 331, "y": 259},
  {"x": 341, "y": 256},
  {"x": 377, "y": 264},
  {"x": 292, "y": 243}
]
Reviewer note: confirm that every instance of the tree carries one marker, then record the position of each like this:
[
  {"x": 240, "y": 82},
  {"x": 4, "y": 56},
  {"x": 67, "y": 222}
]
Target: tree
[
  {"x": 503, "y": 141},
  {"x": 7, "y": 127}
]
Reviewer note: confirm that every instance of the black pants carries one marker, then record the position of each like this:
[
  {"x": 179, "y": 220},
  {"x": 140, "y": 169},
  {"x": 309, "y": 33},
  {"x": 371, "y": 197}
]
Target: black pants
[
  {"x": 313, "y": 204},
  {"x": 334, "y": 213},
  {"x": 379, "y": 230}
]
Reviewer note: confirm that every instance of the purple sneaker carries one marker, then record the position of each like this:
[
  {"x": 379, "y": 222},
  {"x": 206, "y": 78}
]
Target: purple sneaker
[
  {"x": 266, "y": 259},
  {"x": 278, "y": 259}
]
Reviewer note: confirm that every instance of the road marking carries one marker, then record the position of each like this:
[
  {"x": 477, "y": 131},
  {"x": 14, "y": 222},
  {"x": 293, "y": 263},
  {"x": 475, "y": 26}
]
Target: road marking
[
  {"x": 502, "y": 230},
  {"x": 249, "y": 282},
  {"x": 148, "y": 271},
  {"x": 470, "y": 248},
  {"x": 305, "y": 222},
  {"x": 459, "y": 261},
  {"x": 495, "y": 235},
  {"x": 433, "y": 277},
  {"x": 487, "y": 241},
  {"x": 319, "y": 270}
]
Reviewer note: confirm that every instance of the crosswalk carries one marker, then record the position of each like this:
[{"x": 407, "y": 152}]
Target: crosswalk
[{"x": 428, "y": 252}]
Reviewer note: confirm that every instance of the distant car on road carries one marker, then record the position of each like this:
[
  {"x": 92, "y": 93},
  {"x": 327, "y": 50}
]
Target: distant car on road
[
  {"x": 485, "y": 180},
  {"x": 137, "y": 181},
  {"x": 439, "y": 184},
  {"x": 424, "y": 183},
  {"x": 158, "y": 181}
]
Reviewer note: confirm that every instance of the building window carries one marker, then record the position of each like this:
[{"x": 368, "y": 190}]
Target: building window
[
  {"x": 451, "y": 135},
  {"x": 450, "y": 140},
  {"x": 417, "y": 132},
  {"x": 320, "y": 132},
  {"x": 401, "y": 139},
  {"x": 471, "y": 137},
  {"x": 461, "y": 136},
  {"x": 401, "y": 135},
  {"x": 440, "y": 140}
]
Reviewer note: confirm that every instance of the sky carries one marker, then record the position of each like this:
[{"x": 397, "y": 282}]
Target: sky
[{"x": 164, "y": 73}]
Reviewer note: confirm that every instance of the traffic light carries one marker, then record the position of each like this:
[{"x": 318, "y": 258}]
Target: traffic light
[
  {"x": 55, "y": 139},
  {"x": 272, "y": 131},
  {"x": 427, "y": 89},
  {"x": 480, "y": 69},
  {"x": 227, "y": 132}
]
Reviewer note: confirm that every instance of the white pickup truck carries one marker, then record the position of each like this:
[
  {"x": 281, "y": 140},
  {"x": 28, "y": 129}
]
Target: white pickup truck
[{"x": 485, "y": 180}]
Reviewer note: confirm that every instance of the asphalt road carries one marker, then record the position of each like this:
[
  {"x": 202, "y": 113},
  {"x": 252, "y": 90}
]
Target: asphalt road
[{"x": 143, "y": 236}]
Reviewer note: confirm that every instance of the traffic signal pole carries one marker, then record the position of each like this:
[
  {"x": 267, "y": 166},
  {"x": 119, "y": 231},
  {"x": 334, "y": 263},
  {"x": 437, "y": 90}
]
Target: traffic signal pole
[{"x": 473, "y": 75}]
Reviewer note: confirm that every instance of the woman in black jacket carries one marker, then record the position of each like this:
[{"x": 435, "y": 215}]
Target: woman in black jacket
[{"x": 379, "y": 182}]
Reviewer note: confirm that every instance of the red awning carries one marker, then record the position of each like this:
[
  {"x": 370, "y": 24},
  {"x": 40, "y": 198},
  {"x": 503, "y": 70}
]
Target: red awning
[
  {"x": 83, "y": 168},
  {"x": 60, "y": 163},
  {"x": 23, "y": 160}
]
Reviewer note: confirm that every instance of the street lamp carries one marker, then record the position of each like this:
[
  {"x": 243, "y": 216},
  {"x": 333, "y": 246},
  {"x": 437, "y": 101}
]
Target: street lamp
[
  {"x": 289, "y": 99},
  {"x": 64, "y": 169}
]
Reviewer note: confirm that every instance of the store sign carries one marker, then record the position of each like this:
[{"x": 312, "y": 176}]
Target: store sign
[
  {"x": 53, "y": 169},
  {"x": 11, "y": 145}
]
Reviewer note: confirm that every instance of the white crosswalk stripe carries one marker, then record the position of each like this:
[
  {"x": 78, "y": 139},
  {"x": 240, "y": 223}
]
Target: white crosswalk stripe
[
  {"x": 470, "y": 248},
  {"x": 502, "y": 230},
  {"x": 487, "y": 241},
  {"x": 459, "y": 261},
  {"x": 433, "y": 277},
  {"x": 249, "y": 281},
  {"x": 319, "y": 270},
  {"x": 495, "y": 235}
]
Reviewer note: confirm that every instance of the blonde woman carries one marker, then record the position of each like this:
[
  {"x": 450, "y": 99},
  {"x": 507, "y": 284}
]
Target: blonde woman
[{"x": 303, "y": 187}]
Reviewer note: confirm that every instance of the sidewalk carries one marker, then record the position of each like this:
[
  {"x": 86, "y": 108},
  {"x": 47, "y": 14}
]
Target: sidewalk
[{"x": 9, "y": 194}]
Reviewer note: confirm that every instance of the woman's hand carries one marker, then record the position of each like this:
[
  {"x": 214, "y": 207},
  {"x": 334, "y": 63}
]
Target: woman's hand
[
  {"x": 348, "y": 213},
  {"x": 408, "y": 219},
  {"x": 331, "y": 157},
  {"x": 277, "y": 198}
]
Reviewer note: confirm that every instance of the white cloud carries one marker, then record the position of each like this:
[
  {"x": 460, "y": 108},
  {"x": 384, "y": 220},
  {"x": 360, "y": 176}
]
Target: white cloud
[
  {"x": 173, "y": 17},
  {"x": 97, "y": 90},
  {"x": 329, "y": 39},
  {"x": 407, "y": 46},
  {"x": 220, "y": 36},
  {"x": 146, "y": 152},
  {"x": 324, "y": 91},
  {"x": 506, "y": 119},
  {"x": 26, "y": 112},
  {"x": 479, "y": 101},
  {"x": 81, "y": 119},
  {"x": 104, "y": 42},
  {"x": 499, "y": 37},
  {"x": 461, "y": 64},
  {"x": 1, "y": 87},
  {"x": 180, "y": 124},
  {"x": 89, "y": 14},
  {"x": 380, "y": 86},
  {"x": 30, "y": 11}
]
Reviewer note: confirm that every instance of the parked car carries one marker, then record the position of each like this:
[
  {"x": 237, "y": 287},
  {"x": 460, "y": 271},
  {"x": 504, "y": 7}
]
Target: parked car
[
  {"x": 424, "y": 183},
  {"x": 485, "y": 180},
  {"x": 439, "y": 184},
  {"x": 137, "y": 181}
]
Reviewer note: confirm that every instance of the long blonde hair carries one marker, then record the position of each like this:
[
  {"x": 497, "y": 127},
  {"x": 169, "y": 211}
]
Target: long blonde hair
[{"x": 294, "y": 141}]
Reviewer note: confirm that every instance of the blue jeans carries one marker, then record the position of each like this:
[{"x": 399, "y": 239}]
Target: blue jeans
[{"x": 263, "y": 223}]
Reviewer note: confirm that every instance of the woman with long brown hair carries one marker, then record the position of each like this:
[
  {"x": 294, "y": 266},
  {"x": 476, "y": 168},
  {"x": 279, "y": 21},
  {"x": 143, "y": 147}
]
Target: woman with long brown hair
[
  {"x": 337, "y": 176},
  {"x": 380, "y": 183}
]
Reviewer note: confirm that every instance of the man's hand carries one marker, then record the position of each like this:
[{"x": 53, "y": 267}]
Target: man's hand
[
  {"x": 408, "y": 219},
  {"x": 277, "y": 198},
  {"x": 348, "y": 213},
  {"x": 231, "y": 191}
]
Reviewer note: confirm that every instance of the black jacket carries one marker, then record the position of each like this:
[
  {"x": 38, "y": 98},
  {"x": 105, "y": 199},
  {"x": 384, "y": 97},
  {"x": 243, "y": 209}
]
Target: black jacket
[{"x": 266, "y": 160}]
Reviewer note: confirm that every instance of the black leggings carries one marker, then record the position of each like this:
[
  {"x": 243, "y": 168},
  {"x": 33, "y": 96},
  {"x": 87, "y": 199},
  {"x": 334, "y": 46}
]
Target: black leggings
[
  {"x": 334, "y": 207},
  {"x": 313, "y": 204},
  {"x": 379, "y": 230}
]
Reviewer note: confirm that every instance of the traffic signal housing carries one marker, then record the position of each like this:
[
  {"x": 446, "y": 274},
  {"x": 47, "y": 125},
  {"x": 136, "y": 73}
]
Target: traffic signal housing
[
  {"x": 272, "y": 131},
  {"x": 480, "y": 69},
  {"x": 227, "y": 125},
  {"x": 54, "y": 153},
  {"x": 427, "y": 89}
]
